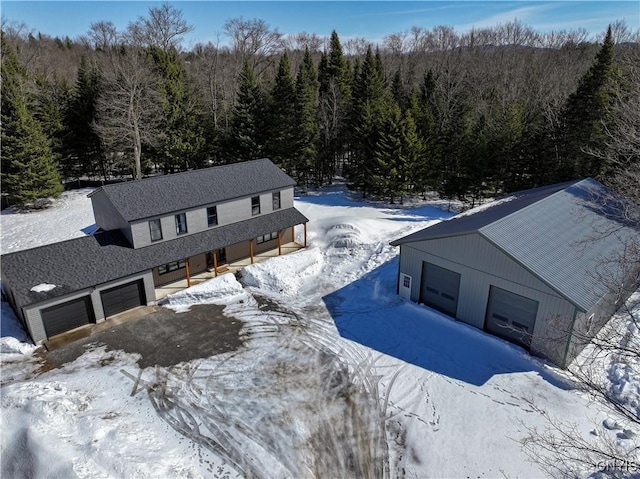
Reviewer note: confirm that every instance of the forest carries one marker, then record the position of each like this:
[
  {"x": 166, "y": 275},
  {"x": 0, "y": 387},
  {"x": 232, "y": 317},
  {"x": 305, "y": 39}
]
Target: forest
[{"x": 466, "y": 115}]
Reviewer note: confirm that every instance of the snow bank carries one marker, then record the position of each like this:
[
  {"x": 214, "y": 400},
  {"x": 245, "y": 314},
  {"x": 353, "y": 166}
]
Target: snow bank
[
  {"x": 285, "y": 274},
  {"x": 43, "y": 288},
  {"x": 13, "y": 338},
  {"x": 220, "y": 290}
]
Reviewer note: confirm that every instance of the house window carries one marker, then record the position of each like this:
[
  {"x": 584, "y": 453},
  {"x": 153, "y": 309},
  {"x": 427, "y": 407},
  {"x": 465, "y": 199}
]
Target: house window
[
  {"x": 155, "y": 229},
  {"x": 181, "y": 223},
  {"x": 406, "y": 281},
  {"x": 168, "y": 268},
  {"x": 212, "y": 216},
  {"x": 265, "y": 238},
  {"x": 255, "y": 205},
  {"x": 276, "y": 201}
]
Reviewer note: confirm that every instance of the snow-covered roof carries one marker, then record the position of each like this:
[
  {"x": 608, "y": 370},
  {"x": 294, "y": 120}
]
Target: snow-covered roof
[
  {"x": 88, "y": 261},
  {"x": 552, "y": 232},
  {"x": 158, "y": 195}
]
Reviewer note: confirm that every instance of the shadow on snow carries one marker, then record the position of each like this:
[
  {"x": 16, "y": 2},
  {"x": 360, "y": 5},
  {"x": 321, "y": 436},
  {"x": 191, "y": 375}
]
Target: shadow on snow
[{"x": 369, "y": 312}]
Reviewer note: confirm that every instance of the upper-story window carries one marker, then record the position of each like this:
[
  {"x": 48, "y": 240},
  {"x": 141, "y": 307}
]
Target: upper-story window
[
  {"x": 212, "y": 216},
  {"x": 255, "y": 205},
  {"x": 276, "y": 200},
  {"x": 181, "y": 223},
  {"x": 155, "y": 229}
]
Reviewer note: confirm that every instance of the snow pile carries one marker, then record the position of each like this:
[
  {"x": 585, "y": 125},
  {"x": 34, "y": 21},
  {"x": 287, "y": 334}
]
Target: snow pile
[
  {"x": 13, "y": 338},
  {"x": 221, "y": 290},
  {"x": 43, "y": 288},
  {"x": 285, "y": 274}
]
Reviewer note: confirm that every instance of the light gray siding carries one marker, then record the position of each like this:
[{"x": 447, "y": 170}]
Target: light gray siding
[
  {"x": 33, "y": 315},
  {"x": 228, "y": 212},
  {"x": 481, "y": 265}
]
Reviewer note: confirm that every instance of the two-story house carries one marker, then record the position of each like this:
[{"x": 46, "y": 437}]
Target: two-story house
[{"x": 151, "y": 232}]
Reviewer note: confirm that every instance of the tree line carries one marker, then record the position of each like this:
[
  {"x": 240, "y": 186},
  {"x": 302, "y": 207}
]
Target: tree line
[{"x": 466, "y": 115}]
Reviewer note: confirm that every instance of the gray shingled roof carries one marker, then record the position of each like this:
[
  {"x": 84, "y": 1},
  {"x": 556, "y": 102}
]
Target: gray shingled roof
[
  {"x": 551, "y": 232},
  {"x": 159, "y": 195},
  {"x": 92, "y": 260}
]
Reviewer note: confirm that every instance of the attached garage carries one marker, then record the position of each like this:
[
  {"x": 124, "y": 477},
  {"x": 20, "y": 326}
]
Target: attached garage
[
  {"x": 511, "y": 316},
  {"x": 67, "y": 316},
  {"x": 522, "y": 268},
  {"x": 122, "y": 298},
  {"x": 440, "y": 288}
]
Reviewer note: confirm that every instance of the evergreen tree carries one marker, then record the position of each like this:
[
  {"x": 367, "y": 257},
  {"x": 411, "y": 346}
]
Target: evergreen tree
[
  {"x": 282, "y": 111},
  {"x": 29, "y": 169},
  {"x": 306, "y": 131},
  {"x": 398, "y": 153},
  {"x": 586, "y": 112},
  {"x": 181, "y": 137},
  {"x": 83, "y": 153},
  {"x": 334, "y": 102},
  {"x": 370, "y": 105},
  {"x": 246, "y": 136}
]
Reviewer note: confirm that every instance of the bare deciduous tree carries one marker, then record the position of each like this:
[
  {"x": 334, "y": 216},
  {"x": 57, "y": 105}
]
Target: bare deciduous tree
[
  {"x": 164, "y": 27},
  {"x": 129, "y": 106}
]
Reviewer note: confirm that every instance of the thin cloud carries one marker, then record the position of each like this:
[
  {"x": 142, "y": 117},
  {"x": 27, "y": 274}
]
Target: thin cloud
[
  {"x": 405, "y": 12},
  {"x": 523, "y": 14}
]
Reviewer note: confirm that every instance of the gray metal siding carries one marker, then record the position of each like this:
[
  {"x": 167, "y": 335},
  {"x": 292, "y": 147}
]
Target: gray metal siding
[
  {"x": 481, "y": 264},
  {"x": 228, "y": 212}
]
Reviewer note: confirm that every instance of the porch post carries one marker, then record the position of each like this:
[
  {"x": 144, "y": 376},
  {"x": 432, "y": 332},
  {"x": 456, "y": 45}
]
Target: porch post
[
  {"x": 293, "y": 234},
  {"x": 251, "y": 250},
  {"x": 188, "y": 278},
  {"x": 215, "y": 263},
  {"x": 305, "y": 235},
  {"x": 279, "y": 244}
]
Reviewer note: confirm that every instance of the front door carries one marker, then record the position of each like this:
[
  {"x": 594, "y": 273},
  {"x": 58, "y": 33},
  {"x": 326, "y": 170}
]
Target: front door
[{"x": 221, "y": 257}]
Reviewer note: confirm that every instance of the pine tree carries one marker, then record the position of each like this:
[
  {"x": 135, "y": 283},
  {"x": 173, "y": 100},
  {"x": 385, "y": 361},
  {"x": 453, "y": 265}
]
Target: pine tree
[
  {"x": 246, "y": 136},
  {"x": 307, "y": 85},
  {"x": 181, "y": 145},
  {"x": 370, "y": 104},
  {"x": 398, "y": 153},
  {"x": 83, "y": 150},
  {"x": 334, "y": 103},
  {"x": 586, "y": 112},
  {"x": 282, "y": 110},
  {"x": 29, "y": 169}
]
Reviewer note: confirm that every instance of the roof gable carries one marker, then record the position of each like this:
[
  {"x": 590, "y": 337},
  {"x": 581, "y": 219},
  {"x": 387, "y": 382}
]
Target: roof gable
[
  {"x": 553, "y": 233},
  {"x": 160, "y": 195}
]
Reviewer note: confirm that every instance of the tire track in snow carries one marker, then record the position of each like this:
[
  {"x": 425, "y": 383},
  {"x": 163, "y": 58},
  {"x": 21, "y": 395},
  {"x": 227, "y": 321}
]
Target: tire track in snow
[{"x": 295, "y": 402}]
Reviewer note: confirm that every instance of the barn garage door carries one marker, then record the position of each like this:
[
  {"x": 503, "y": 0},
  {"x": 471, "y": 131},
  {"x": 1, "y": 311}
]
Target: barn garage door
[
  {"x": 440, "y": 288},
  {"x": 66, "y": 316},
  {"x": 123, "y": 297},
  {"x": 511, "y": 316}
]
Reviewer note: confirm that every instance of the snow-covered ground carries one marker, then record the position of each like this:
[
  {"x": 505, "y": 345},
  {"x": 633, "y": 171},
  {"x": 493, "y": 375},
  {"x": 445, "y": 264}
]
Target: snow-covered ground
[{"x": 338, "y": 377}]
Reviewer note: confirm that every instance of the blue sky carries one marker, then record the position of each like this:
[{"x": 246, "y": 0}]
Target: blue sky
[{"x": 369, "y": 19}]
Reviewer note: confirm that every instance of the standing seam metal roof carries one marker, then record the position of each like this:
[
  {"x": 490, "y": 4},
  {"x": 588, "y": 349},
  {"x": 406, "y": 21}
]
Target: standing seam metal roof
[
  {"x": 551, "y": 232},
  {"x": 159, "y": 195}
]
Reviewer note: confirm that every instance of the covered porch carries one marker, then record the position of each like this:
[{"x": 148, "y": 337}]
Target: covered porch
[{"x": 231, "y": 267}]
